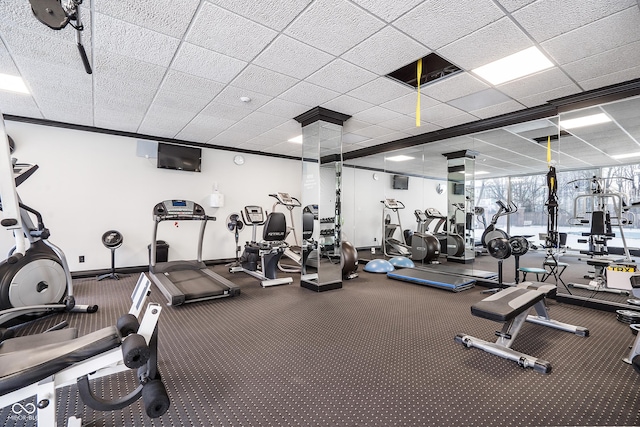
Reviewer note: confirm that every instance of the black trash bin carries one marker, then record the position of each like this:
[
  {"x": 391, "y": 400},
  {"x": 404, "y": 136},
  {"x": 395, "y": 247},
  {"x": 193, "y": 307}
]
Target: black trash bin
[{"x": 162, "y": 251}]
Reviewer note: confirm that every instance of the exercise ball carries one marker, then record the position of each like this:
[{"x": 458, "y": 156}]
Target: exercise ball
[
  {"x": 499, "y": 248},
  {"x": 401, "y": 262},
  {"x": 349, "y": 261},
  {"x": 379, "y": 266}
]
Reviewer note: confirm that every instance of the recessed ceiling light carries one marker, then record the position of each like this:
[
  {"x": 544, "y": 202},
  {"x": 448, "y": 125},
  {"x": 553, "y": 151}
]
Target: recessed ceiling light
[
  {"x": 296, "y": 140},
  {"x": 593, "y": 119},
  {"x": 511, "y": 67},
  {"x": 399, "y": 158},
  {"x": 13, "y": 84},
  {"x": 481, "y": 173},
  {"x": 625, "y": 156}
]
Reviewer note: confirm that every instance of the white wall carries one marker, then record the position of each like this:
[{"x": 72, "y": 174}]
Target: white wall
[{"x": 88, "y": 183}]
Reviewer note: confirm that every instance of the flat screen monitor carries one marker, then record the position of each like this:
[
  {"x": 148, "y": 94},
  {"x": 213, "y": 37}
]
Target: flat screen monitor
[
  {"x": 458, "y": 189},
  {"x": 400, "y": 182},
  {"x": 179, "y": 157}
]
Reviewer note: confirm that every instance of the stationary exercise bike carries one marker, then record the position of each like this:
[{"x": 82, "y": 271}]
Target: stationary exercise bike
[
  {"x": 492, "y": 232},
  {"x": 36, "y": 280},
  {"x": 260, "y": 259}
]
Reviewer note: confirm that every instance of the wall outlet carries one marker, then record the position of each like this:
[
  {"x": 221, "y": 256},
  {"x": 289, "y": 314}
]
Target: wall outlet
[
  {"x": 375, "y": 239},
  {"x": 81, "y": 258}
]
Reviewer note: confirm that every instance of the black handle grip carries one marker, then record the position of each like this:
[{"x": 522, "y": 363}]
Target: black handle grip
[{"x": 85, "y": 59}]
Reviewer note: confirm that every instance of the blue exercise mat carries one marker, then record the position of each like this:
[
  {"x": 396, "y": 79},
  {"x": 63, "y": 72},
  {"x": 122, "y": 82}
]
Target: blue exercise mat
[{"x": 442, "y": 281}]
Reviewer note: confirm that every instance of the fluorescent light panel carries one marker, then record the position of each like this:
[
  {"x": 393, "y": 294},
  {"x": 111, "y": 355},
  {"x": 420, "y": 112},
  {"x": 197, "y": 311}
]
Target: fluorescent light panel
[
  {"x": 514, "y": 66},
  {"x": 296, "y": 140},
  {"x": 399, "y": 158},
  {"x": 13, "y": 83},
  {"x": 578, "y": 122},
  {"x": 625, "y": 156}
]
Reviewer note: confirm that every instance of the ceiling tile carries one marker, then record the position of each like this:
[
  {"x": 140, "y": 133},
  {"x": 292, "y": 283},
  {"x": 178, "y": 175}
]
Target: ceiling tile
[
  {"x": 451, "y": 121},
  {"x": 545, "y": 19},
  {"x": 291, "y": 57},
  {"x": 511, "y": 5},
  {"x": 264, "y": 81},
  {"x": 438, "y": 113},
  {"x": 232, "y": 34},
  {"x": 132, "y": 40},
  {"x": 407, "y": 104},
  {"x": 75, "y": 86},
  {"x": 333, "y": 26},
  {"x": 231, "y": 96},
  {"x": 388, "y": 10},
  {"x": 42, "y": 46},
  {"x": 376, "y": 115},
  {"x": 610, "y": 79},
  {"x": 283, "y": 108},
  {"x": 276, "y": 15},
  {"x": 381, "y": 55},
  {"x": 498, "y": 40},
  {"x": 190, "y": 85},
  {"x": 341, "y": 76},
  {"x": 151, "y": 15},
  {"x": 544, "y": 97},
  {"x": 18, "y": 104},
  {"x": 453, "y": 87},
  {"x": 439, "y": 22},
  {"x": 613, "y": 31},
  {"x": 113, "y": 66},
  {"x": 380, "y": 91},
  {"x": 192, "y": 59},
  {"x": 204, "y": 127},
  {"x": 179, "y": 101},
  {"x": 224, "y": 111},
  {"x": 497, "y": 110},
  {"x": 543, "y": 81},
  {"x": 346, "y": 104},
  {"x": 66, "y": 111},
  {"x": 7, "y": 66},
  {"x": 309, "y": 94},
  {"x": 164, "y": 121},
  {"x": 621, "y": 58},
  {"x": 117, "y": 119},
  {"x": 479, "y": 100}
]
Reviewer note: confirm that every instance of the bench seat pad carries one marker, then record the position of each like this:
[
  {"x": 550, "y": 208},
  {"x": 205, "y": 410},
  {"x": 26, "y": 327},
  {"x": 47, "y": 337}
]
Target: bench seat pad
[
  {"x": 506, "y": 304},
  {"x": 25, "y": 367}
]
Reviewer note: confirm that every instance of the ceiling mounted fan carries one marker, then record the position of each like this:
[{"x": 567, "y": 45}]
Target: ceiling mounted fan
[{"x": 56, "y": 14}]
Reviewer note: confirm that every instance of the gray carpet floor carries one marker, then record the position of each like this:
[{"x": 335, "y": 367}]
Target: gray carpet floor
[{"x": 377, "y": 352}]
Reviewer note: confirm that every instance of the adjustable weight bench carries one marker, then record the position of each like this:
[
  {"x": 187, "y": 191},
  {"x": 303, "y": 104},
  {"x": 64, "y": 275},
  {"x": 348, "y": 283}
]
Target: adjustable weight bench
[
  {"x": 27, "y": 370},
  {"x": 511, "y": 306}
]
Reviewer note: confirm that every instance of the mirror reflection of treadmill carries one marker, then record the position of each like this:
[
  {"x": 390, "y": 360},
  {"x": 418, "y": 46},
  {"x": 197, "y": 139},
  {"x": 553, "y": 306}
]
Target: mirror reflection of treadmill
[{"x": 186, "y": 281}]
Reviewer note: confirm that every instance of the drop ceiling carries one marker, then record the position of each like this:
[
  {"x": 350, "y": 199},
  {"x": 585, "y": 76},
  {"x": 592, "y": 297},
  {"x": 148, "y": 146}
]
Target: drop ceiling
[{"x": 177, "y": 70}]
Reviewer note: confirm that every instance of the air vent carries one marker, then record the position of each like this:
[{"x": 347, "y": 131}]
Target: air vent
[
  {"x": 434, "y": 68},
  {"x": 554, "y": 137}
]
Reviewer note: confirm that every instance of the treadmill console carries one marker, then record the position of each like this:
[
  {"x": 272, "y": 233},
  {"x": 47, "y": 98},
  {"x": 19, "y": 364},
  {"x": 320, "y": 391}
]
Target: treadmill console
[
  {"x": 253, "y": 214},
  {"x": 180, "y": 210},
  {"x": 393, "y": 204}
]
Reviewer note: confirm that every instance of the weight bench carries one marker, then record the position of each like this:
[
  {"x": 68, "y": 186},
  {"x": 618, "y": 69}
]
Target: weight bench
[
  {"x": 27, "y": 369},
  {"x": 511, "y": 306}
]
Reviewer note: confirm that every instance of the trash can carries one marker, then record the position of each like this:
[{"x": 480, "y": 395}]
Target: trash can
[{"x": 162, "y": 251}]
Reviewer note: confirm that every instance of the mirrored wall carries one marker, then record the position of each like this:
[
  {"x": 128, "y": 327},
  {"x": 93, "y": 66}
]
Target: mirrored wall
[{"x": 595, "y": 151}]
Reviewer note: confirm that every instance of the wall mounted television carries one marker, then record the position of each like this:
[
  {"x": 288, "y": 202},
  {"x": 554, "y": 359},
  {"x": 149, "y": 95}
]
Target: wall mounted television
[
  {"x": 179, "y": 157},
  {"x": 400, "y": 182}
]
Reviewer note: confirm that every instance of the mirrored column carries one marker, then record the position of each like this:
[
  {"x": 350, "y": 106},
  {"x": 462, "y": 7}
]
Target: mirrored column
[{"x": 321, "y": 198}]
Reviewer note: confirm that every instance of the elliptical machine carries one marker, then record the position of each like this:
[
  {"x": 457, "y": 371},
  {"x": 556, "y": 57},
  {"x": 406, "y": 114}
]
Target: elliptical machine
[
  {"x": 492, "y": 232},
  {"x": 390, "y": 245},
  {"x": 424, "y": 245},
  {"x": 450, "y": 243},
  {"x": 289, "y": 202},
  {"x": 36, "y": 280}
]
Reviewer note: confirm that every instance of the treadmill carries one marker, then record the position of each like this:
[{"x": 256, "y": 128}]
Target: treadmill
[{"x": 186, "y": 281}]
